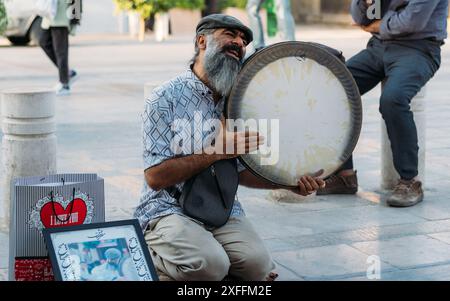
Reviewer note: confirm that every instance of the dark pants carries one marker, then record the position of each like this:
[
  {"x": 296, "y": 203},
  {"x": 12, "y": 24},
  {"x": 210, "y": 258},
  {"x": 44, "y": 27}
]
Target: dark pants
[
  {"x": 55, "y": 43},
  {"x": 406, "y": 66}
]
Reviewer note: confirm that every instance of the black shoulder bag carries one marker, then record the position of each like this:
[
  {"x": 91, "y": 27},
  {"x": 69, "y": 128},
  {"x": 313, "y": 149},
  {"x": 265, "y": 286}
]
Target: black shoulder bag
[{"x": 209, "y": 196}]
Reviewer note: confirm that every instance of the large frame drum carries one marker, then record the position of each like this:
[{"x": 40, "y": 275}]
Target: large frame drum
[{"x": 314, "y": 99}]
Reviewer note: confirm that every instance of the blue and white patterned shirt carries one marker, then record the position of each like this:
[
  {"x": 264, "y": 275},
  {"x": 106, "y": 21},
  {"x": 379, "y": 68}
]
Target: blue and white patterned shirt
[{"x": 183, "y": 98}]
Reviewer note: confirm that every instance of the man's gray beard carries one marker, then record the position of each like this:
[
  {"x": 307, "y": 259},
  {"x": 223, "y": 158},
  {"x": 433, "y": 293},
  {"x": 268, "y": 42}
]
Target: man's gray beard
[{"x": 221, "y": 69}]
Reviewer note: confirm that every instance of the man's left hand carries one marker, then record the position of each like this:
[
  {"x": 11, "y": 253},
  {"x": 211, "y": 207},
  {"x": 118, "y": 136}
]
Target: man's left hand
[
  {"x": 307, "y": 185},
  {"x": 373, "y": 27}
]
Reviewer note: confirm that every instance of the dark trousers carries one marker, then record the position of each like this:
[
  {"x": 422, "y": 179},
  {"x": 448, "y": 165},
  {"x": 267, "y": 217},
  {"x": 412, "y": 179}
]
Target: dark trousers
[
  {"x": 55, "y": 43},
  {"x": 406, "y": 66}
]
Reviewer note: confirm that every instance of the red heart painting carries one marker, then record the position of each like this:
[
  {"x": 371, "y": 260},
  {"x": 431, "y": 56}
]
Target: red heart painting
[{"x": 64, "y": 217}]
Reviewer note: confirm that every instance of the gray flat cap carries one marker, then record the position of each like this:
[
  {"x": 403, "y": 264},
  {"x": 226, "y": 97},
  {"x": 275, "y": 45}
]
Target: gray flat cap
[{"x": 217, "y": 21}]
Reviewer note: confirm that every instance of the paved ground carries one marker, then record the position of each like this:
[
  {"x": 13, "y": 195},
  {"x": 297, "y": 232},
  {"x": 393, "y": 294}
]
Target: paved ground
[{"x": 323, "y": 238}]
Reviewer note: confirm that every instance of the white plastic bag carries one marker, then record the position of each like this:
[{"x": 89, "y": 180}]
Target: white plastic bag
[{"x": 47, "y": 8}]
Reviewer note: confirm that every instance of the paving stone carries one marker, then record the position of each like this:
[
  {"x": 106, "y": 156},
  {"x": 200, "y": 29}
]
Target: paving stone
[
  {"x": 277, "y": 245},
  {"x": 433, "y": 273},
  {"x": 408, "y": 252},
  {"x": 444, "y": 237},
  {"x": 359, "y": 235},
  {"x": 330, "y": 262},
  {"x": 434, "y": 207},
  {"x": 284, "y": 274},
  {"x": 337, "y": 220}
]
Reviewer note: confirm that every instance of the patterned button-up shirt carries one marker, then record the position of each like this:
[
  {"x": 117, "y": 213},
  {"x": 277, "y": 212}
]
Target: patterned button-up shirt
[{"x": 183, "y": 98}]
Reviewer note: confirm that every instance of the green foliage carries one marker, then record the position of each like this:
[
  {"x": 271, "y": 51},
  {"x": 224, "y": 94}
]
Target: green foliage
[
  {"x": 272, "y": 23},
  {"x": 147, "y": 7},
  {"x": 190, "y": 4},
  {"x": 3, "y": 17},
  {"x": 232, "y": 3}
]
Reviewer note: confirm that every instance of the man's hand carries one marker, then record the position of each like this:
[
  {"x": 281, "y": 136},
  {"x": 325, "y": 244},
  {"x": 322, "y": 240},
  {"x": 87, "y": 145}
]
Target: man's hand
[
  {"x": 307, "y": 185},
  {"x": 233, "y": 144},
  {"x": 373, "y": 27}
]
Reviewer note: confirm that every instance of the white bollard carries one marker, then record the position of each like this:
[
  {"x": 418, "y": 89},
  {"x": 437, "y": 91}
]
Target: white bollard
[
  {"x": 122, "y": 18},
  {"x": 133, "y": 24},
  {"x": 29, "y": 139},
  {"x": 389, "y": 175},
  {"x": 161, "y": 27}
]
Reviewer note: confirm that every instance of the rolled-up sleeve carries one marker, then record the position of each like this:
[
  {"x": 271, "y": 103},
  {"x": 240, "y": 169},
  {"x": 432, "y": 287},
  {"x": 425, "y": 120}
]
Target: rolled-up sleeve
[
  {"x": 408, "y": 20},
  {"x": 156, "y": 129}
]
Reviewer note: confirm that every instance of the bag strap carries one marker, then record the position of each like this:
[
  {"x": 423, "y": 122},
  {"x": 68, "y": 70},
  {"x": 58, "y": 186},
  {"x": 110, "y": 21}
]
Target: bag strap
[
  {"x": 213, "y": 171},
  {"x": 174, "y": 192},
  {"x": 71, "y": 207}
]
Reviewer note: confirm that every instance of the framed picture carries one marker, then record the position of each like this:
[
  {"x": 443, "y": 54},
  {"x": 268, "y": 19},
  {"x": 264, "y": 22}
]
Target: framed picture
[{"x": 113, "y": 251}]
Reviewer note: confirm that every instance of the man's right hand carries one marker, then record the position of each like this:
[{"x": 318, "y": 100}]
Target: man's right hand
[{"x": 233, "y": 144}]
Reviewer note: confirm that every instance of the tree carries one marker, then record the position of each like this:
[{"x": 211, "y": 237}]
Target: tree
[
  {"x": 211, "y": 7},
  {"x": 232, "y": 3},
  {"x": 217, "y": 6},
  {"x": 148, "y": 8}
]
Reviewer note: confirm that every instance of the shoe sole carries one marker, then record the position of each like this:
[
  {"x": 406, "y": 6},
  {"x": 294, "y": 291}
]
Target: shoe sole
[{"x": 403, "y": 205}]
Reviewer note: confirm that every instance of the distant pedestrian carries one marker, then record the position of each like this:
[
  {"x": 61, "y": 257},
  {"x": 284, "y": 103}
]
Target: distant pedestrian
[
  {"x": 285, "y": 21},
  {"x": 54, "y": 40}
]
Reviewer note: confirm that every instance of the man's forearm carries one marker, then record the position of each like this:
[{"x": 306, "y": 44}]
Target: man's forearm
[
  {"x": 413, "y": 18},
  {"x": 178, "y": 170}
]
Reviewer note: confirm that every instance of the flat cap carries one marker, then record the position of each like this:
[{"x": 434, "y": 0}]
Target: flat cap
[{"x": 217, "y": 21}]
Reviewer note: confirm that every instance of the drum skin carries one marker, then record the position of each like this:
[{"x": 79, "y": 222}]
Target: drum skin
[{"x": 314, "y": 99}]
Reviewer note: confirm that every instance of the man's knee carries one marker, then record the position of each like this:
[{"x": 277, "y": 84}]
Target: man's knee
[
  {"x": 212, "y": 264},
  {"x": 393, "y": 102},
  {"x": 254, "y": 265}
]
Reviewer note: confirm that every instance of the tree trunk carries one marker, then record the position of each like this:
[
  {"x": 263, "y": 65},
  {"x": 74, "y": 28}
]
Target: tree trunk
[{"x": 211, "y": 7}]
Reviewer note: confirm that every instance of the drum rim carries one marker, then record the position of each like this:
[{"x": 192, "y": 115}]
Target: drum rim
[{"x": 262, "y": 58}]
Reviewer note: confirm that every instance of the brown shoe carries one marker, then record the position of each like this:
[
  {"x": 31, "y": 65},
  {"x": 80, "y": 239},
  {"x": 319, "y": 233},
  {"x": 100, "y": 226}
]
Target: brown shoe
[
  {"x": 406, "y": 194},
  {"x": 337, "y": 184}
]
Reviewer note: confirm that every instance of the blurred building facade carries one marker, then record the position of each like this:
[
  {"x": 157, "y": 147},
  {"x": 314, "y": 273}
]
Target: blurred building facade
[
  {"x": 99, "y": 16},
  {"x": 321, "y": 11}
]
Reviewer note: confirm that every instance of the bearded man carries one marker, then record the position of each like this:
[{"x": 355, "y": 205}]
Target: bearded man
[{"x": 182, "y": 247}]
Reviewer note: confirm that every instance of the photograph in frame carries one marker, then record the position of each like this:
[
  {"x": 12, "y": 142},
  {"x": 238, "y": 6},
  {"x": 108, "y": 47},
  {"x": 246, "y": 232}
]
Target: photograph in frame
[{"x": 112, "y": 251}]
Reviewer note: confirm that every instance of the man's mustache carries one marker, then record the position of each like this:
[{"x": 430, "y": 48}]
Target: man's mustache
[{"x": 233, "y": 47}]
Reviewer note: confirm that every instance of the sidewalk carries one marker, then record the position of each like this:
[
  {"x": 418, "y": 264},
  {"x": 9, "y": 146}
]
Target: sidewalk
[{"x": 325, "y": 238}]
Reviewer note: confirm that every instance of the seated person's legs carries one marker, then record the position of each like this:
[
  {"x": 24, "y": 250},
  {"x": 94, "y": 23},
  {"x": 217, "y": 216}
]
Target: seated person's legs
[
  {"x": 368, "y": 71},
  {"x": 408, "y": 69},
  {"x": 250, "y": 259},
  {"x": 183, "y": 250}
]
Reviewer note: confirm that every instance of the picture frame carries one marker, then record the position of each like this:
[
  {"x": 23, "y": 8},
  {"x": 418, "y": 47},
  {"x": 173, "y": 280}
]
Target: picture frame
[{"x": 110, "y": 251}]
